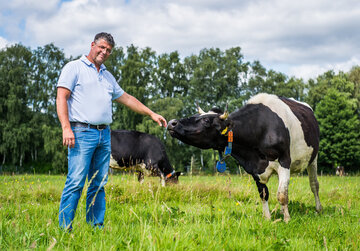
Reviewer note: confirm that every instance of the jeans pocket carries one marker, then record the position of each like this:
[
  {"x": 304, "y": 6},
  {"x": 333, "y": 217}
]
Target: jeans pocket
[
  {"x": 81, "y": 133},
  {"x": 78, "y": 129}
]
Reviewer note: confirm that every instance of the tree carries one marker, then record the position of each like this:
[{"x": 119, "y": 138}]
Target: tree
[
  {"x": 272, "y": 82},
  {"x": 169, "y": 77},
  {"x": 115, "y": 62},
  {"x": 214, "y": 77},
  {"x": 15, "y": 136},
  {"x": 339, "y": 131},
  {"x": 135, "y": 78},
  {"x": 354, "y": 77},
  {"x": 53, "y": 147},
  {"x": 319, "y": 87},
  {"x": 30, "y": 133},
  {"x": 46, "y": 65}
]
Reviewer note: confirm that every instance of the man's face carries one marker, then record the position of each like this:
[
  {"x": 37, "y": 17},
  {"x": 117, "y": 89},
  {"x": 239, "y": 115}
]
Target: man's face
[{"x": 100, "y": 51}]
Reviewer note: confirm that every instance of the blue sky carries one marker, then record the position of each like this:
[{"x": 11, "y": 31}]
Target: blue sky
[{"x": 299, "y": 39}]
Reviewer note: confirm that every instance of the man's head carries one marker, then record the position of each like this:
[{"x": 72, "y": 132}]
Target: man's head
[
  {"x": 106, "y": 36},
  {"x": 101, "y": 48}
]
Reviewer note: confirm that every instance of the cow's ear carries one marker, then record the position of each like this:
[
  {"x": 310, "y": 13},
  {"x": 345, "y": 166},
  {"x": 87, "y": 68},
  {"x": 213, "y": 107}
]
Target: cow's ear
[
  {"x": 229, "y": 123},
  {"x": 216, "y": 124}
]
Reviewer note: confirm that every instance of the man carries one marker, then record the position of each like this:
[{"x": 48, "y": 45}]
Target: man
[{"x": 85, "y": 91}]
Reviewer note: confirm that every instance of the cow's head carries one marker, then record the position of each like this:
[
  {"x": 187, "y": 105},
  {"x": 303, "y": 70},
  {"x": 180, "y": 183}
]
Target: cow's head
[
  {"x": 173, "y": 177},
  {"x": 203, "y": 130}
]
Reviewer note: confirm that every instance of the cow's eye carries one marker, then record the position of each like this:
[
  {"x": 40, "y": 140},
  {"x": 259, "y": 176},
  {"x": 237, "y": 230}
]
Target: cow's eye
[{"x": 206, "y": 122}]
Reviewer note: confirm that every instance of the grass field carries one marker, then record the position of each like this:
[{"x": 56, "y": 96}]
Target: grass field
[{"x": 200, "y": 213}]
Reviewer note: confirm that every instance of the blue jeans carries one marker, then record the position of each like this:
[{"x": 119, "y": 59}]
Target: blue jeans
[{"x": 89, "y": 158}]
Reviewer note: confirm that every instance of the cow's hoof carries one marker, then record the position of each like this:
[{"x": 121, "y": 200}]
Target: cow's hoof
[
  {"x": 286, "y": 219},
  {"x": 319, "y": 209},
  {"x": 267, "y": 217}
]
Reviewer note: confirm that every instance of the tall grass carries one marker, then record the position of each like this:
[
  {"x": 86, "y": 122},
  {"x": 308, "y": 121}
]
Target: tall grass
[{"x": 200, "y": 213}]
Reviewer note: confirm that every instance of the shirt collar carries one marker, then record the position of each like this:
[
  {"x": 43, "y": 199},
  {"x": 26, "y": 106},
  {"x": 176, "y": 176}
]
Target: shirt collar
[{"x": 87, "y": 61}]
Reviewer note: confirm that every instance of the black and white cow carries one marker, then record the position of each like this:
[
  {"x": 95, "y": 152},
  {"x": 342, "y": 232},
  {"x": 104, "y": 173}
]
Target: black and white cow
[
  {"x": 143, "y": 153},
  {"x": 270, "y": 134},
  {"x": 340, "y": 171}
]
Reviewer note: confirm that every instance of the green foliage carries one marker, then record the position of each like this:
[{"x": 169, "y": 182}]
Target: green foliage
[
  {"x": 319, "y": 88},
  {"x": 354, "y": 77},
  {"x": 135, "y": 78},
  {"x": 28, "y": 101},
  {"x": 170, "y": 85},
  {"x": 261, "y": 80},
  {"x": 46, "y": 65},
  {"x": 53, "y": 146},
  {"x": 339, "y": 130},
  {"x": 215, "y": 77},
  {"x": 169, "y": 77},
  {"x": 14, "y": 80}
]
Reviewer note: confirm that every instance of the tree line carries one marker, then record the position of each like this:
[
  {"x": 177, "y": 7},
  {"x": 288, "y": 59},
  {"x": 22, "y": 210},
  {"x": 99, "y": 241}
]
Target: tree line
[{"x": 31, "y": 136}]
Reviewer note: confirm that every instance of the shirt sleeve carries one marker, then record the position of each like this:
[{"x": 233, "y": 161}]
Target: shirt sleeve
[
  {"x": 117, "y": 90},
  {"x": 68, "y": 76}
]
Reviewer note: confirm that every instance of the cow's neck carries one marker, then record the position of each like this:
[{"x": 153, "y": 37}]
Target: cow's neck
[{"x": 244, "y": 157}]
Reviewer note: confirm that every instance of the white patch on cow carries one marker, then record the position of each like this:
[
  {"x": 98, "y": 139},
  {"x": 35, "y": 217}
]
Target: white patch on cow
[
  {"x": 113, "y": 163},
  {"x": 162, "y": 180},
  {"x": 303, "y": 103},
  {"x": 266, "y": 210},
  {"x": 282, "y": 194},
  {"x": 300, "y": 152},
  {"x": 140, "y": 167},
  {"x": 270, "y": 169},
  {"x": 284, "y": 178}
]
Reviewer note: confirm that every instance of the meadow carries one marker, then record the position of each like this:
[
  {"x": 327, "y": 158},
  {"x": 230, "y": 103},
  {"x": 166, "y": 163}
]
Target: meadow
[{"x": 199, "y": 213}]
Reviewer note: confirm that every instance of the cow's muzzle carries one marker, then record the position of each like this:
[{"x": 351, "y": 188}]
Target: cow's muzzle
[{"x": 172, "y": 124}]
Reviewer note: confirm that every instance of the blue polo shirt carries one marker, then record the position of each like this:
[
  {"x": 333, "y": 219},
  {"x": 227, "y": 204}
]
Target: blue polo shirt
[{"x": 92, "y": 92}]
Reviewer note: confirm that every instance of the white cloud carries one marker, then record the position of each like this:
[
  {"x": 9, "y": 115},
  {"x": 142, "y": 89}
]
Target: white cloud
[
  {"x": 3, "y": 43},
  {"x": 308, "y": 36},
  {"x": 308, "y": 71}
]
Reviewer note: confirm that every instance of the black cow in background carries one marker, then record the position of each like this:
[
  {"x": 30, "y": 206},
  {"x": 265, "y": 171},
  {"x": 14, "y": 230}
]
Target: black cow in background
[
  {"x": 270, "y": 134},
  {"x": 144, "y": 153}
]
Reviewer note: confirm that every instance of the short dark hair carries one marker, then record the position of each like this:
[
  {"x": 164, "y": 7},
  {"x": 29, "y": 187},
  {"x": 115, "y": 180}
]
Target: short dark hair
[{"x": 106, "y": 36}]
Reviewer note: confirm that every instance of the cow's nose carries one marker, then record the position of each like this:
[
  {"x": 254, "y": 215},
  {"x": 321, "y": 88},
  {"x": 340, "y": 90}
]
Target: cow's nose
[{"x": 172, "y": 123}]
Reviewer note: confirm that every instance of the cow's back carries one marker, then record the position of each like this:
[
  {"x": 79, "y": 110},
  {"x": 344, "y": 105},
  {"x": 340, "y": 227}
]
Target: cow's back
[
  {"x": 132, "y": 147},
  {"x": 301, "y": 123},
  {"x": 309, "y": 124},
  {"x": 124, "y": 143}
]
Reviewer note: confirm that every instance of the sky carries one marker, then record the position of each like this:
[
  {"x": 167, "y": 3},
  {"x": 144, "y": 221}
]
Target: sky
[{"x": 298, "y": 38}]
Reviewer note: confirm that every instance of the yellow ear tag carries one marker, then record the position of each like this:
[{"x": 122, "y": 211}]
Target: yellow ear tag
[{"x": 224, "y": 131}]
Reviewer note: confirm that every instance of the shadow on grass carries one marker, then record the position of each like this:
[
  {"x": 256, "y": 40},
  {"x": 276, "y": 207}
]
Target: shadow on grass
[{"x": 301, "y": 209}]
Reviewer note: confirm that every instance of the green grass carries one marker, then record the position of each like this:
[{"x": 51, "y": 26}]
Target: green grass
[{"x": 200, "y": 213}]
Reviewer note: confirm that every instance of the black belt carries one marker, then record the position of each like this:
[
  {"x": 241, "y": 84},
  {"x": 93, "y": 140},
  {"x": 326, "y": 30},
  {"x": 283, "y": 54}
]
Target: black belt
[{"x": 81, "y": 124}]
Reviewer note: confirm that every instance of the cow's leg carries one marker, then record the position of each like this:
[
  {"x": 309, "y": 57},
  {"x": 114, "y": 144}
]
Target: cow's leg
[
  {"x": 162, "y": 179},
  {"x": 262, "y": 188},
  {"x": 156, "y": 170},
  {"x": 264, "y": 196},
  {"x": 282, "y": 193},
  {"x": 140, "y": 177},
  {"x": 314, "y": 184}
]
